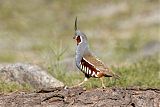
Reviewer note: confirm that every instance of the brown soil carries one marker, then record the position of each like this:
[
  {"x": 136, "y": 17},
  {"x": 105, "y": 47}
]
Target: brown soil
[{"x": 79, "y": 97}]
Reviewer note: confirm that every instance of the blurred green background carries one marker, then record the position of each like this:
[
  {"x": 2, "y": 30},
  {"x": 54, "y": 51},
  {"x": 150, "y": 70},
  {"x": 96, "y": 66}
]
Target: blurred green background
[{"x": 123, "y": 33}]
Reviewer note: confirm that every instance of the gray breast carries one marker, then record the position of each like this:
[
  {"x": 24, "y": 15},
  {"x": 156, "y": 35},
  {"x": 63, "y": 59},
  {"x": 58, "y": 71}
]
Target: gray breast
[{"x": 80, "y": 50}]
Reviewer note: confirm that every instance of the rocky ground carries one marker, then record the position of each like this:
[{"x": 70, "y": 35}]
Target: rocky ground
[{"x": 79, "y": 97}]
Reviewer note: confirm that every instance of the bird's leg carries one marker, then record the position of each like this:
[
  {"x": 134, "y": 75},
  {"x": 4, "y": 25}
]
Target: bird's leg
[
  {"x": 85, "y": 79},
  {"x": 103, "y": 86},
  {"x": 111, "y": 79}
]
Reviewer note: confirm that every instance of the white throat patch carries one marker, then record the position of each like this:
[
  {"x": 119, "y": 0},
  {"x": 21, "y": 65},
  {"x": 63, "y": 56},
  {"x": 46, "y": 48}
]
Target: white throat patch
[{"x": 81, "y": 40}]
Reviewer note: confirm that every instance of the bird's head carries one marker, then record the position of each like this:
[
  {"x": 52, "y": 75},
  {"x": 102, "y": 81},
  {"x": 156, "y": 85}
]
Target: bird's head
[{"x": 79, "y": 36}]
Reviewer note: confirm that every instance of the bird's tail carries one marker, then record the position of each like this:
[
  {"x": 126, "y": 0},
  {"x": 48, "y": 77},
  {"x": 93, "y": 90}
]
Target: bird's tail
[
  {"x": 112, "y": 74},
  {"x": 116, "y": 76}
]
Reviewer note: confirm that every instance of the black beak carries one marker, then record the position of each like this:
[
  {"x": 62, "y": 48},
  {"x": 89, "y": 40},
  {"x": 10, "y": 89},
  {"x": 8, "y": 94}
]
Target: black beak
[{"x": 74, "y": 37}]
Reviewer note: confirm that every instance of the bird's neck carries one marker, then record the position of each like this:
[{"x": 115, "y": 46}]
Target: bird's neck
[
  {"x": 82, "y": 48},
  {"x": 80, "y": 51}
]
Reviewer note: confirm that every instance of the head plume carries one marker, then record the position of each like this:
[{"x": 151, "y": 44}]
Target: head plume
[{"x": 75, "y": 27}]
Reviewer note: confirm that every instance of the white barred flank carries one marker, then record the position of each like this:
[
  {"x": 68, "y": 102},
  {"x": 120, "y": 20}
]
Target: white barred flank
[
  {"x": 84, "y": 68},
  {"x": 87, "y": 70},
  {"x": 93, "y": 74},
  {"x": 96, "y": 75},
  {"x": 90, "y": 72}
]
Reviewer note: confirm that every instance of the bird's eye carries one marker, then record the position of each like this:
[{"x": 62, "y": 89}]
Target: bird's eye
[{"x": 78, "y": 38}]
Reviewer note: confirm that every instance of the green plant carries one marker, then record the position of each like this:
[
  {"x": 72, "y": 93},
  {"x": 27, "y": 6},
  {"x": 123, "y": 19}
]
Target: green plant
[{"x": 12, "y": 86}]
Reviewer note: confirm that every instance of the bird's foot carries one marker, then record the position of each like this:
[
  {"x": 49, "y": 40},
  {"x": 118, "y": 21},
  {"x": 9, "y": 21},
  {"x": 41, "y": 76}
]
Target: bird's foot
[{"x": 103, "y": 86}]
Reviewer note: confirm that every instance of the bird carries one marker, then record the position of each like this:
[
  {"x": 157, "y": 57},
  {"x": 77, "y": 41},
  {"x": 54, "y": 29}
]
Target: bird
[{"x": 87, "y": 62}]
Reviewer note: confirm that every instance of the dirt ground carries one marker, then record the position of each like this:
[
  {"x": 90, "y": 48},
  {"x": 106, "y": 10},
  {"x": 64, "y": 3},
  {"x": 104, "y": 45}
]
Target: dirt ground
[{"x": 79, "y": 97}]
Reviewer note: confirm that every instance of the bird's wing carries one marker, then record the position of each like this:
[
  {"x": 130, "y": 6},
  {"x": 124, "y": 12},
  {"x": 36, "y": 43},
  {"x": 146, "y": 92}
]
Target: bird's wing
[
  {"x": 90, "y": 58},
  {"x": 99, "y": 65}
]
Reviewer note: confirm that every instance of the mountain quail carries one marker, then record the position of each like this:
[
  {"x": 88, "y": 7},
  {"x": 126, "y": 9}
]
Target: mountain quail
[{"x": 88, "y": 63}]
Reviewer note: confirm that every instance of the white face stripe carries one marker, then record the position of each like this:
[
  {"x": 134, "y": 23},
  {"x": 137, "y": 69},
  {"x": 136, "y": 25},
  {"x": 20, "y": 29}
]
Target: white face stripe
[{"x": 80, "y": 38}]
